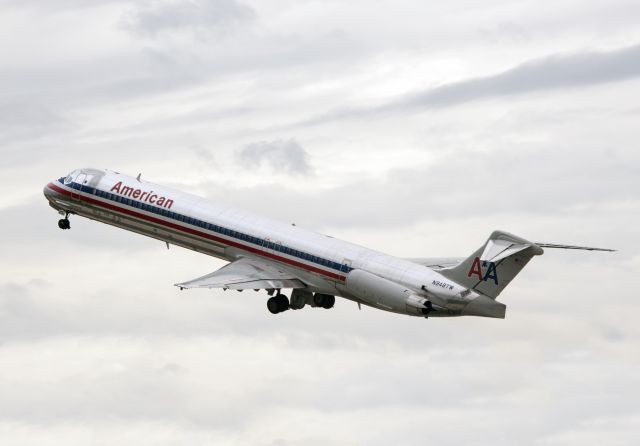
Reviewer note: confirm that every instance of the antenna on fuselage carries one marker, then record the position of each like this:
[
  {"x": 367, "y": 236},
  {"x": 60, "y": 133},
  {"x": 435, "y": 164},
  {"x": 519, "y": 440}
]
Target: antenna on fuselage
[{"x": 138, "y": 177}]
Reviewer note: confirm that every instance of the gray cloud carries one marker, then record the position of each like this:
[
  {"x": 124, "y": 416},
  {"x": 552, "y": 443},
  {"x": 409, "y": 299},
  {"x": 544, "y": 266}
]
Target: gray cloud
[
  {"x": 59, "y": 5},
  {"x": 557, "y": 71},
  {"x": 96, "y": 345},
  {"x": 472, "y": 183},
  {"x": 548, "y": 73},
  {"x": 201, "y": 15},
  {"x": 23, "y": 118},
  {"x": 280, "y": 155}
]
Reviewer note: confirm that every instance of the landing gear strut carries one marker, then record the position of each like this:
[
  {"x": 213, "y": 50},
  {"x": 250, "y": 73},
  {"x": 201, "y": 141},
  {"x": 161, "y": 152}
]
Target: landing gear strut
[
  {"x": 64, "y": 223},
  {"x": 428, "y": 308},
  {"x": 278, "y": 303}
]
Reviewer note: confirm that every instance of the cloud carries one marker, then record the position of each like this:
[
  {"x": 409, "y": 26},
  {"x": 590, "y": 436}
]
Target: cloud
[
  {"x": 22, "y": 119},
  {"x": 190, "y": 15},
  {"x": 552, "y": 72},
  {"x": 280, "y": 155},
  {"x": 473, "y": 183},
  {"x": 542, "y": 74},
  {"x": 96, "y": 343}
]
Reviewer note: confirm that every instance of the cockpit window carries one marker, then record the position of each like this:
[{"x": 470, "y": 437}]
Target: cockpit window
[{"x": 69, "y": 179}]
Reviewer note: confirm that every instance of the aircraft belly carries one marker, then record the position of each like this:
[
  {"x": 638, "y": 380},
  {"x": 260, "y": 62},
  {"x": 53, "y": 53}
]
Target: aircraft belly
[{"x": 151, "y": 230}]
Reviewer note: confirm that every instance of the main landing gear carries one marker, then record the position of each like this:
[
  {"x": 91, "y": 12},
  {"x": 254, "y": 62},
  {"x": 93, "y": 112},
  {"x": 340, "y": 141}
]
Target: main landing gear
[
  {"x": 299, "y": 298},
  {"x": 278, "y": 303},
  {"x": 64, "y": 223}
]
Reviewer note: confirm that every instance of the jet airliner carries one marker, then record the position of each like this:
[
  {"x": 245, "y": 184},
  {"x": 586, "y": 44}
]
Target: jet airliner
[{"x": 269, "y": 255}]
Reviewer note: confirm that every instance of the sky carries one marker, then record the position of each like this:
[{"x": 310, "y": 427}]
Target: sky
[{"x": 412, "y": 127}]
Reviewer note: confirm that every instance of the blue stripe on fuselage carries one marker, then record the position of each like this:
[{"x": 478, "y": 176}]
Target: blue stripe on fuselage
[{"x": 201, "y": 224}]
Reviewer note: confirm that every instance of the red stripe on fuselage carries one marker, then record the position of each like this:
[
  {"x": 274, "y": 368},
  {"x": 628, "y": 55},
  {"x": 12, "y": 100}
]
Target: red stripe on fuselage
[{"x": 196, "y": 232}]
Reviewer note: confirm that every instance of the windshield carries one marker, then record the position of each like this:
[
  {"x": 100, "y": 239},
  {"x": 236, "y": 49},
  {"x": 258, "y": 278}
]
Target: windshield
[{"x": 69, "y": 178}]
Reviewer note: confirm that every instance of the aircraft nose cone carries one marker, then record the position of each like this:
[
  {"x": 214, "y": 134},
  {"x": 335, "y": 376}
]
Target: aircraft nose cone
[{"x": 48, "y": 192}]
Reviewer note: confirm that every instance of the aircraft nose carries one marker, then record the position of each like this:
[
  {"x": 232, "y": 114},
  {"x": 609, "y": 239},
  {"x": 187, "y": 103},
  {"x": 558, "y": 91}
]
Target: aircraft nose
[{"x": 48, "y": 191}]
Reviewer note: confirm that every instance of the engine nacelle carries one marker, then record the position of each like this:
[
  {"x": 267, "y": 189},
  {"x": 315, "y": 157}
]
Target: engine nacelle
[{"x": 385, "y": 294}]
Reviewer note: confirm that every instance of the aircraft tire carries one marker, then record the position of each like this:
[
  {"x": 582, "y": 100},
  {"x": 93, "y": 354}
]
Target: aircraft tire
[
  {"x": 278, "y": 304},
  {"x": 273, "y": 306},
  {"x": 283, "y": 302},
  {"x": 318, "y": 299},
  {"x": 324, "y": 300},
  {"x": 329, "y": 302}
]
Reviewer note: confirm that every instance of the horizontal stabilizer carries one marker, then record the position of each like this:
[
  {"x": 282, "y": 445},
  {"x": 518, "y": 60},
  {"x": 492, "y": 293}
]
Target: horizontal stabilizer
[
  {"x": 246, "y": 274},
  {"x": 584, "y": 248}
]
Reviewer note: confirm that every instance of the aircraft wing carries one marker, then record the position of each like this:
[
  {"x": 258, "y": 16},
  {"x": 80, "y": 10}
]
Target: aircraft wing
[
  {"x": 246, "y": 273},
  {"x": 438, "y": 263}
]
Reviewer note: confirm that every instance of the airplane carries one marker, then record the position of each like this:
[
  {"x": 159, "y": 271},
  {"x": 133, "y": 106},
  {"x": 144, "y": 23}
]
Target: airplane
[{"x": 265, "y": 254}]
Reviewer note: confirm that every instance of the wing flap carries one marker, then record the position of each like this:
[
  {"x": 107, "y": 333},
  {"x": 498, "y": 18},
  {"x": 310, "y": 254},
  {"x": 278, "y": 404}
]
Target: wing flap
[{"x": 245, "y": 274}]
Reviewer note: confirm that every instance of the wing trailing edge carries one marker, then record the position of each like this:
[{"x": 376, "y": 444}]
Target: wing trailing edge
[{"x": 246, "y": 274}]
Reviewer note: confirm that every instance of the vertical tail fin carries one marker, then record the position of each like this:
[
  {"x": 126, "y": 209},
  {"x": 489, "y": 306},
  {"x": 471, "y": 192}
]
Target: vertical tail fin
[{"x": 492, "y": 267}]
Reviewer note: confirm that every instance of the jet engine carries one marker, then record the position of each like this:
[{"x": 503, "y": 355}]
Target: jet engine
[{"x": 382, "y": 293}]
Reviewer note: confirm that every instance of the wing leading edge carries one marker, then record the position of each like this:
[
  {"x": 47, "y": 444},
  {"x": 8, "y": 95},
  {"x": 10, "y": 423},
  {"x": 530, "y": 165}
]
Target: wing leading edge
[{"x": 246, "y": 274}]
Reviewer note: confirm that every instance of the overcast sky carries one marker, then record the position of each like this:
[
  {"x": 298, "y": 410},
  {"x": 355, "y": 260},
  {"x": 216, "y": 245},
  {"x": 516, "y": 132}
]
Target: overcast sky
[{"x": 413, "y": 127}]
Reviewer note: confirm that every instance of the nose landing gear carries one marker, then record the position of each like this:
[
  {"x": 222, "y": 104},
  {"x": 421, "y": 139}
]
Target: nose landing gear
[{"x": 64, "y": 223}]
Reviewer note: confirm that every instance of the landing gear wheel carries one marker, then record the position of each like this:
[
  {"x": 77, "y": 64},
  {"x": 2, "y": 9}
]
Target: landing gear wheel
[
  {"x": 64, "y": 223},
  {"x": 329, "y": 302},
  {"x": 278, "y": 304},
  {"x": 272, "y": 305},
  {"x": 324, "y": 300}
]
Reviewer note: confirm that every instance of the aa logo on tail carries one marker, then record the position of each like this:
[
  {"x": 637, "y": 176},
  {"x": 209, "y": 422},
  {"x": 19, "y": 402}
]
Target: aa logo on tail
[{"x": 476, "y": 270}]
